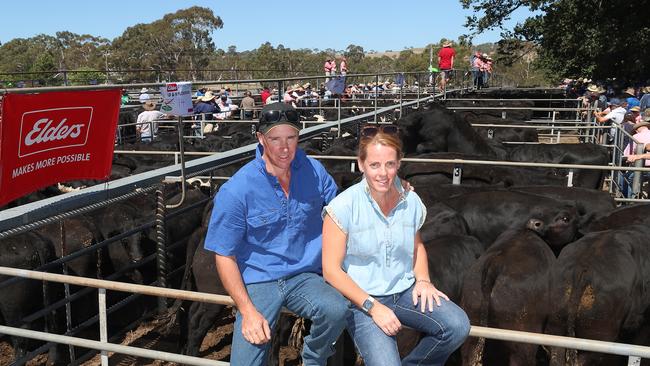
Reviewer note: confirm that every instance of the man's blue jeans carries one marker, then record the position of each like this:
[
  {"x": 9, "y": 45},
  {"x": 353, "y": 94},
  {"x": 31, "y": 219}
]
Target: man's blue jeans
[
  {"x": 444, "y": 330},
  {"x": 308, "y": 296}
]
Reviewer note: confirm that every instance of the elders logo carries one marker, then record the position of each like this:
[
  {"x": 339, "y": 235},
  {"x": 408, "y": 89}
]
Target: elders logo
[
  {"x": 51, "y": 129},
  {"x": 172, "y": 87}
]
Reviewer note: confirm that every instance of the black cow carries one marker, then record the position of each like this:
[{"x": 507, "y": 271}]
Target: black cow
[
  {"x": 601, "y": 292},
  {"x": 25, "y": 297},
  {"x": 499, "y": 134},
  {"x": 621, "y": 217},
  {"x": 488, "y": 214},
  {"x": 589, "y": 202},
  {"x": 438, "y": 129},
  {"x": 508, "y": 288},
  {"x": 428, "y": 174},
  {"x": 583, "y": 154}
]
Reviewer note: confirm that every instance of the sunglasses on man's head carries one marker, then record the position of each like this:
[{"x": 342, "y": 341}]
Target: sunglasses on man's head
[
  {"x": 372, "y": 130},
  {"x": 273, "y": 116}
]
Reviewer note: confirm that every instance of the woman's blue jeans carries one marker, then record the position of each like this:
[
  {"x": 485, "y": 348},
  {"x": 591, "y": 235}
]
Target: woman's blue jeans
[
  {"x": 444, "y": 330},
  {"x": 306, "y": 295}
]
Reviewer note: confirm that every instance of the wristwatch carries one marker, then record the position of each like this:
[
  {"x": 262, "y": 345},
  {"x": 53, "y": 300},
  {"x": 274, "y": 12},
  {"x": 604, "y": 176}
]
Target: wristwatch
[{"x": 368, "y": 304}]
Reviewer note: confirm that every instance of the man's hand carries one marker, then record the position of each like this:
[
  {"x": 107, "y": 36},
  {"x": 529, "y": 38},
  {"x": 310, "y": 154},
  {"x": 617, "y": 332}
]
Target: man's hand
[{"x": 255, "y": 328}]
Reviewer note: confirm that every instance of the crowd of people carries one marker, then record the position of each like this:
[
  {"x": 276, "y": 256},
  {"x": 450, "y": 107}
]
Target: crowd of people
[{"x": 619, "y": 107}]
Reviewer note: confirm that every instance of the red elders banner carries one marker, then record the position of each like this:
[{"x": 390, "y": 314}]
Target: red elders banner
[{"x": 55, "y": 137}]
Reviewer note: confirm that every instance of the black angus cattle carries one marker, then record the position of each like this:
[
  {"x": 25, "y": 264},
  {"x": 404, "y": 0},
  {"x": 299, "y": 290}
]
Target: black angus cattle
[
  {"x": 589, "y": 202},
  {"x": 636, "y": 214},
  {"x": 522, "y": 111},
  {"x": 437, "y": 129},
  {"x": 583, "y": 154},
  {"x": 600, "y": 291},
  {"x": 24, "y": 297},
  {"x": 427, "y": 174},
  {"x": 508, "y": 288},
  {"x": 490, "y": 213},
  {"x": 499, "y": 134}
]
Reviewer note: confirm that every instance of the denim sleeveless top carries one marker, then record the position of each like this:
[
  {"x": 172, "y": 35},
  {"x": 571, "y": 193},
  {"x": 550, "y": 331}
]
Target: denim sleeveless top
[{"x": 379, "y": 248}]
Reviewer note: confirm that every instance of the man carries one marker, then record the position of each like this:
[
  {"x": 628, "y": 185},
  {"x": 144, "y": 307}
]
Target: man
[
  {"x": 147, "y": 127},
  {"x": 446, "y": 62},
  {"x": 615, "y": 116},
  {"x": 247, "y": 105},
  {"x": 266, "y": 233}
]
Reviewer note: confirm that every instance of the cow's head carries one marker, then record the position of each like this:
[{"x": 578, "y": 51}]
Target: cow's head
[{"x": 557, "y": 227}]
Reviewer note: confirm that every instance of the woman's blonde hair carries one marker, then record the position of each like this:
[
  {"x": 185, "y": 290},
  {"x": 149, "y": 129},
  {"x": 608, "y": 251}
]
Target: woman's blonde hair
[{"x": 381, "y": 138}]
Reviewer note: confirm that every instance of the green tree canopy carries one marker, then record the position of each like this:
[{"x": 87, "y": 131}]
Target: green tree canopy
[{"x": 591, "y": 38}]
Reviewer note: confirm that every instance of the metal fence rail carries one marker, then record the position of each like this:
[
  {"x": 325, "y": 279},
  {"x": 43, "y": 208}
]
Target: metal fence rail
[{"x": 634, "y": 352}]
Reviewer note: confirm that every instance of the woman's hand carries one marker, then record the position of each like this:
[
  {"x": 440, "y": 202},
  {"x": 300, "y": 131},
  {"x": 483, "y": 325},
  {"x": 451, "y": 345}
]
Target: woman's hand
[
  {"x": 427, "y": 294},
  {"x": 385, "y": 319}
]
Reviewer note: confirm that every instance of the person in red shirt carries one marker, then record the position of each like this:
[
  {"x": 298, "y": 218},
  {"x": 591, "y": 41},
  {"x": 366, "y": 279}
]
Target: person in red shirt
[
  {"x": 265, "y": 94},
  {"x": 446, "y": 62}
]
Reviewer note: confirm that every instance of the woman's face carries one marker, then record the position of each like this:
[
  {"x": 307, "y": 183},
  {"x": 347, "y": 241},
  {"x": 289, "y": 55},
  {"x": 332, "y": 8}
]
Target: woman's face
[{"x": 380, "y": 167}]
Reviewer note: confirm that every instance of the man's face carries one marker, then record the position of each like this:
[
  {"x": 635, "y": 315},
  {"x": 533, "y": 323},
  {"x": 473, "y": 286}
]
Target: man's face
[{"x": 280, "y": 144}]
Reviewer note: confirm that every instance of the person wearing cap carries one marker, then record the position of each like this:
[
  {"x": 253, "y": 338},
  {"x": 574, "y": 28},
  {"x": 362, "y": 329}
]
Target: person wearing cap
[
  {"x": 615, "y": 116},
  {"x": 265, "y": 231},
  {"x": 635, "y": 113},
  {"x": 146, "y": 126},
  {"x": 226, "y": 107},
  {"x": 266, "y": 92},
  {"x": 446, "y": 57}
]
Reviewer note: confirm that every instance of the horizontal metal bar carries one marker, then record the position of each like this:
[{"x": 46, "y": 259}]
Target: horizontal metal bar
[
  {"x": 496, "y": 162},
  {"x": 560, "y": 341},
  {"x": 110, "y": 347},
  {"x": 559, "y": 109}
]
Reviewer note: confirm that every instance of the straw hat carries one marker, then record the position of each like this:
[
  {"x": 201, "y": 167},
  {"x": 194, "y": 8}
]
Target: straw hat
[
  {"x": 640, "y": 124},
  {"x": 630, "y": 91},
  {"x": 144, "y": 90},
  {"x": 149, "y": 105},
  {"x": 646, "y": 89},
  {"x": 446, "y": 44},
  {"x": 646, "y": 115},
  {"x": 593, "y": 88},
  {"x": 636, "y": 108},
  {"x": 209, "y": 95}
]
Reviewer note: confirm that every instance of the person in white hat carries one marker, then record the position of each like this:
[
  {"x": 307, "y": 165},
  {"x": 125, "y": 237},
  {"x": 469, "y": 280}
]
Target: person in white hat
[
  {"x": 144, "y": 95},
  {"x": 146, "y": 126}
]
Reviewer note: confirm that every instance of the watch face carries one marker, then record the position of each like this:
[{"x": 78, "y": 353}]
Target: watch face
[{"x": 367, "y": 305}]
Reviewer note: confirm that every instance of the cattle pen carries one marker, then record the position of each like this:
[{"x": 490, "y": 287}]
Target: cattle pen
[{"x": 208, "y": 166}]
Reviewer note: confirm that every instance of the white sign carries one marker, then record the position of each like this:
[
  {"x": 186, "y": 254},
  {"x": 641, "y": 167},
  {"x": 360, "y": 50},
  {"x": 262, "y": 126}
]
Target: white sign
[{"x": 177, "y": 99}]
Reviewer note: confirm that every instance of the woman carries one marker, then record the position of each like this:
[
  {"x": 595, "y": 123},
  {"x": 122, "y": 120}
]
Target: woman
[{"x": 373, "y": 254}]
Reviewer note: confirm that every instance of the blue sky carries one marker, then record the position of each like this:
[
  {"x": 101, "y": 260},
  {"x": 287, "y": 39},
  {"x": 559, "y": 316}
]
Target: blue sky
[{"x": 375, "y": 25}]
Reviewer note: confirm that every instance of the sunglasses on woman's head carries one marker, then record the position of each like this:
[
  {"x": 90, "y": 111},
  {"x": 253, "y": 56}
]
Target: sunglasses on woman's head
[{"x": 372, "y": 130}]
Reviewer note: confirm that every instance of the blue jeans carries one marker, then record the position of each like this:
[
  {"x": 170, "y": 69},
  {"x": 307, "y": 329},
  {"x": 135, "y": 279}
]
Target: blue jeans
[
  {"x": 444, "y": 330},
  {"x": 308, "y": 296}
]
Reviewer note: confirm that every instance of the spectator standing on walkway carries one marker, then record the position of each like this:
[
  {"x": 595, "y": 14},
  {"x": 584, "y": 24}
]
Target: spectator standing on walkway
[
  {"x": 477, "y": 66},
  {"x": 446, "y": 57},
  {"x": 265, "y": 94},
  {"x": 330, "y": 68},
  {"x": 266, "y": 235},
  {"x": 247, "y": 105},
  {"x": 343, "y": 66}
]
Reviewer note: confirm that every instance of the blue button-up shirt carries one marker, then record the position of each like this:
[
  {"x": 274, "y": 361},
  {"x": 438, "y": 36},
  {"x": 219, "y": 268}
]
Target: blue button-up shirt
[
  {"x": 271, "y": 235},
  {"x": 379, "y": 248}
]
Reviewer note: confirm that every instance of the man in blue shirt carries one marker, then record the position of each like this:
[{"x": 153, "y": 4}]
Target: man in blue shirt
[{"x": 266, "y": 232}]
